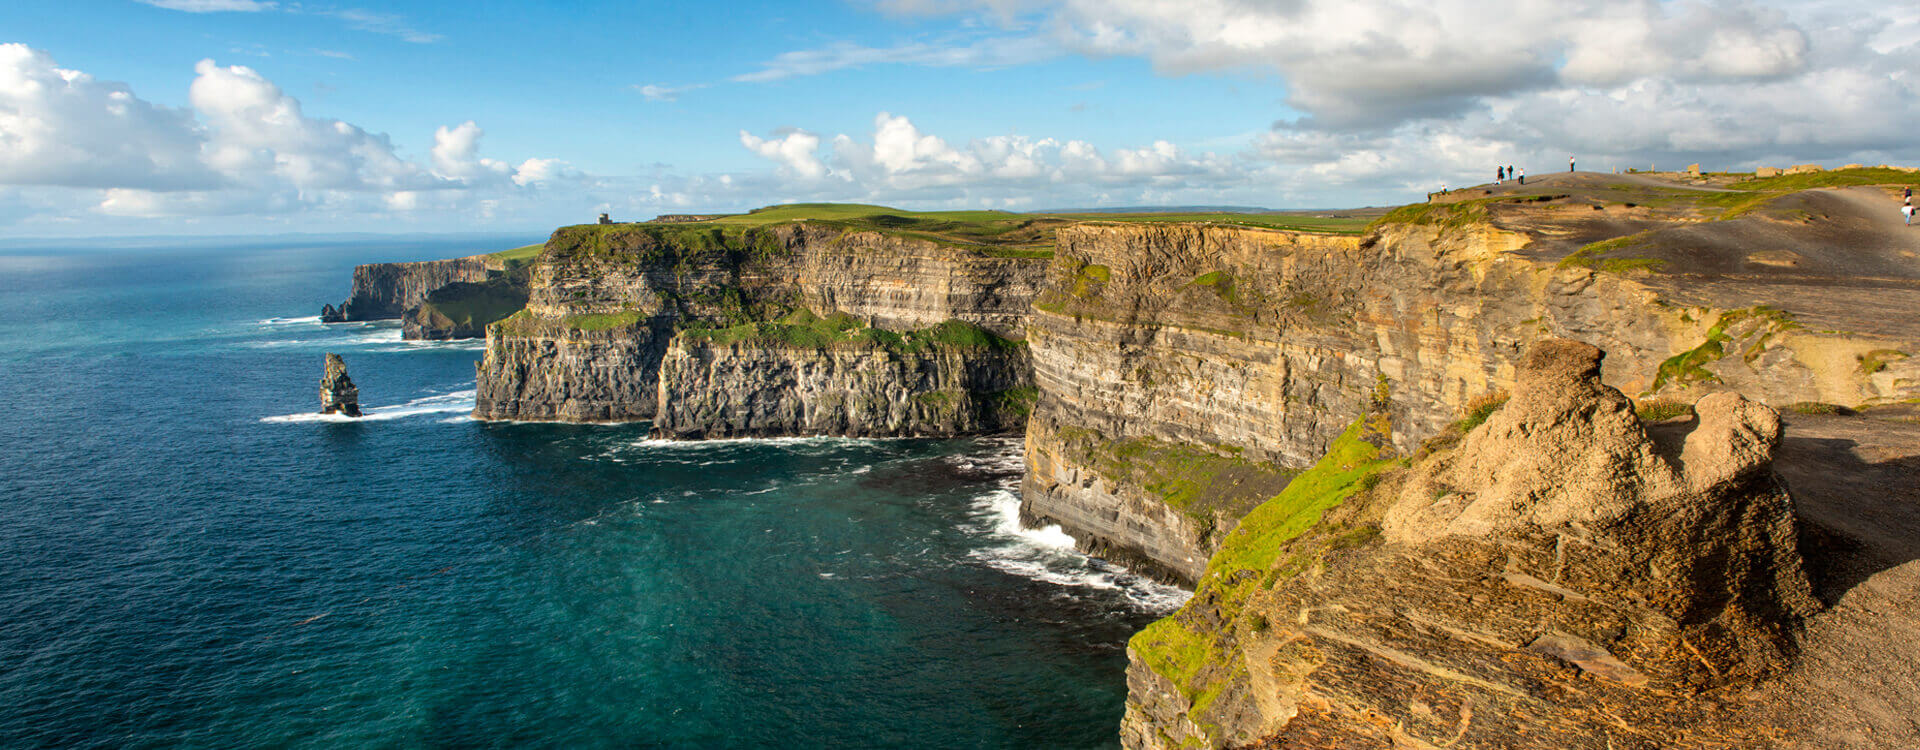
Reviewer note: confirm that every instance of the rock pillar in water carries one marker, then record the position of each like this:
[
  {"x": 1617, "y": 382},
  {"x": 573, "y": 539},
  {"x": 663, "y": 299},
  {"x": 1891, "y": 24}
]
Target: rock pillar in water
[
  {"x": 331, "y": 314},
  {"x": 337, "y": 392}
]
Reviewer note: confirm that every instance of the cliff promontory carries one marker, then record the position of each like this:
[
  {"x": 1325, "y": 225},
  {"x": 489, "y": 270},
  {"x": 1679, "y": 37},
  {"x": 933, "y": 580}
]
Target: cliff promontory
[
  {"x": 1558, "y": 576},
  {"x": 765, "y": 325},
  {"x": 438, "y": 299},
  {"x": 1159, "y": 348}
]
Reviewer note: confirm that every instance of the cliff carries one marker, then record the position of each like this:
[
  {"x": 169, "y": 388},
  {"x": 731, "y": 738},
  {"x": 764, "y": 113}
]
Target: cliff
[
  {"x": 389, "y": 290},
  {"x": 1558, "y": 576},
  {"x": 606, "y": 303},
  {"x": 1261, "y": 345},
  {"x": 762, "y": 381}
]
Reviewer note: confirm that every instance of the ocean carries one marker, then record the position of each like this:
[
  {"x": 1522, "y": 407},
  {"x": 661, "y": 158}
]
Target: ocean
[{"x": 190, "y": 558}]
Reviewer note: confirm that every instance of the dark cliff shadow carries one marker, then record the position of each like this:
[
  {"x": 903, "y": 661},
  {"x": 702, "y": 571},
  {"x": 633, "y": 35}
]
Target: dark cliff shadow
[{"x": 1858, "y": 516}]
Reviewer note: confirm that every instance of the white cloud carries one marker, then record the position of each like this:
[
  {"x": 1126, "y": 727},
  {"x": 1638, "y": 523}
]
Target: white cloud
[
  {"x": 456, "y": 154},
  {"x": 211, "y": 6},
  {"x": 377, "y": 22},
  {"x": 793, "y": 150},
  {"x": 899, "y": 162},
  {"x": 62, "y": 127},
  {"x": 657, "y": 93},
  {"x": 991, "y": 52},
  {"x": 243, "y": 147}
]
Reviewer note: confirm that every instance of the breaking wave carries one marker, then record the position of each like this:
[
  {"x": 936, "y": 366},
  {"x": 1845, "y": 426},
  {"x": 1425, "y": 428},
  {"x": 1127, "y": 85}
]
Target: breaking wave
[
  {"x": 1047, "y": 553},
  {"x": 445, "y": 403}
]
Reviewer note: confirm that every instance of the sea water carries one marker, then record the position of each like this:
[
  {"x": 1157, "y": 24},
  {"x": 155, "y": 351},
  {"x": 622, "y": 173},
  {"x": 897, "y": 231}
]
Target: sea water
[{"x": 190, "y": 557}]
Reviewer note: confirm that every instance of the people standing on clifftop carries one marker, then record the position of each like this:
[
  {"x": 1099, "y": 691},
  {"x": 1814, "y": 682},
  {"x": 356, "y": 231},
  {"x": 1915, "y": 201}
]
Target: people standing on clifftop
[
  {"x": 1523, "y": 175},
  {"x": 1569, "y": 164},
  {"x": 1499, "y": 176}
]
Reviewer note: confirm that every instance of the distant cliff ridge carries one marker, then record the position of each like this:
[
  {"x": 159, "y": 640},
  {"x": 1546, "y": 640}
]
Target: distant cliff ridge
[
  {"x": 607, "y": 303},
  {"x": 388, "y": 290}
]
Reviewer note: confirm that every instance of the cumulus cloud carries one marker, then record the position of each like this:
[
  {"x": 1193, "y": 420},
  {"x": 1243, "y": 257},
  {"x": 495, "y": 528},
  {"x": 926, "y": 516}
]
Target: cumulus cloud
[
  {"x": 793, "y": 150},
  {"x": 62, "y": 127},
  {"x": 1409, "y": 93},
  {"x": 898, "y": 161},
  {"x": 243, "y": 146}
]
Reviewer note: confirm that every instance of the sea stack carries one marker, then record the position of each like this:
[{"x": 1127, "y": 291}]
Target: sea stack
[
  {"x": 331, "y": 314},
  {"x": 337, "y": 392}
]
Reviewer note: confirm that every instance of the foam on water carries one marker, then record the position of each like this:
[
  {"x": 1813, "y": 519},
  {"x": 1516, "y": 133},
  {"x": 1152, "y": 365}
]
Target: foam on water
[
  {"x": 1047, "y": 553},
  {"x": 457, "y": 401}
]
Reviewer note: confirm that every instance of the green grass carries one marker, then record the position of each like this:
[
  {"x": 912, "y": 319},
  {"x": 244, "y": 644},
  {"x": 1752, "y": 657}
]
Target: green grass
[
  {"x": 1595, "y": 256},
  {"x": 802, "y": 329},
  {"x": 1660, "y": 410},
  {"x": 1875, "y": 361},
  {"x": 1188, "y": 648},
  {"x": 1830, "y": 178},
  {"x": 1479, "y": 409},
  {"x": 1289, "y": 222},
  {"x": 1689, "y": 367},
  {"x": 471, "y": 305},
  {"x": 602, "y": 321},
  {"x": 518, "y": 254}
]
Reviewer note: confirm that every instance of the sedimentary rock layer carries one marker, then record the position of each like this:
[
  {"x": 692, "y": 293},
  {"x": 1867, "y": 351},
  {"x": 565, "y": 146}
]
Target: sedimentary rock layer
[
  {"x": 606, "y": 301},
  {"x": 1560, "y": 578},
  {"x": 389, "y": 290},
  {"x": 765, "y": 389},
  {"x": 1266, "y": 344}
]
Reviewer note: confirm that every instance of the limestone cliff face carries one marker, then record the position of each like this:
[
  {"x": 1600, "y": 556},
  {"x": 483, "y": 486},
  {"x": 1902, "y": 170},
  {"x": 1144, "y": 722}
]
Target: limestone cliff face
[
  {"x": 1267, "y": 343},
  {"x": 606, "y": 302},
  {"x": 389, "y": 290},
  {"x": 1560, "y": 577},
  {"x": 765, "y": 389}
]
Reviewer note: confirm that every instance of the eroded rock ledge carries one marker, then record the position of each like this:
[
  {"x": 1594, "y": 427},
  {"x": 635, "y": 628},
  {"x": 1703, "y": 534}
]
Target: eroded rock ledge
[{"x": 1556, "y": 577}]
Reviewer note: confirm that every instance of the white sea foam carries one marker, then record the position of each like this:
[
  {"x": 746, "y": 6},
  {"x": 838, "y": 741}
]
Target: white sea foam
[
  {"x": 310, "y": 319},
  {"x": 444, "y": 403},
  {"x": 1047, "y": 553}
]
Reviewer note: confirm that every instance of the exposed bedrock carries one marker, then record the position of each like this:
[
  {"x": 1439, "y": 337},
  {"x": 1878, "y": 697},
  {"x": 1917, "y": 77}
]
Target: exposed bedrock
[
  {"x": 764, "y": 389},
  {"x": 388, "y": 290},
  {"x": 1557, "y": 577},
  {"x": 1262, "y": 345},
  {"x": 606, "y": 301},
  {"x": 338, "y": 395}
]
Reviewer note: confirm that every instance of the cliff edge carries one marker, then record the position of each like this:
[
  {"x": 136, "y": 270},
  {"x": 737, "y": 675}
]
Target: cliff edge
[{"x": 1558, "y": 576}]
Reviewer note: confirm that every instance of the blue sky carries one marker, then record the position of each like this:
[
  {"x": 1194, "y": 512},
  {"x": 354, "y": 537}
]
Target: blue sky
[{"x": 177, "y": 116}]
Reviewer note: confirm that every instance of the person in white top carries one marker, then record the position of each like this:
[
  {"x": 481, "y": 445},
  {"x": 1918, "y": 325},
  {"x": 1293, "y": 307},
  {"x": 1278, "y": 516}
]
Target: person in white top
[
  {"x": 1569, "y": 163},
  {"x": 1908, "y": 210}
]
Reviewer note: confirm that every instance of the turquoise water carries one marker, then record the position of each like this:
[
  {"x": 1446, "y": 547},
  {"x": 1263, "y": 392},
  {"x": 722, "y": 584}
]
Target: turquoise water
[{"x": 188, "y": 558}]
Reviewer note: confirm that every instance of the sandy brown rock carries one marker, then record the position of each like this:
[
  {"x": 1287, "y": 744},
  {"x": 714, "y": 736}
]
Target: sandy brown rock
[{"x": 1558, "y": 579}]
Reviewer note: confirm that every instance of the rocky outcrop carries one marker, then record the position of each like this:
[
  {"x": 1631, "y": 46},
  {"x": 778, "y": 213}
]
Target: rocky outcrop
[
  {"x": 1560, "y": 577},
  {"x": 927, "y": 386},
  {"x": 389, "y": 290},
  {"x": 337, "y": 392},
  {"x": 1264, "y": 344},
  {"x": 606, "y": 301},
  {"x": 463, "y": 310}
]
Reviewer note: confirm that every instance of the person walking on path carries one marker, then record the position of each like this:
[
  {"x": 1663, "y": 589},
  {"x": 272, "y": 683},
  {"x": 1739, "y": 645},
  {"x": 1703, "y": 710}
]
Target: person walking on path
[
  {"x": 1909, "y": 195},
  {"x": 1523, "y": 175},
  {"x": 1907, "y": 210},
  {"x": 1569, "y": 164}
]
